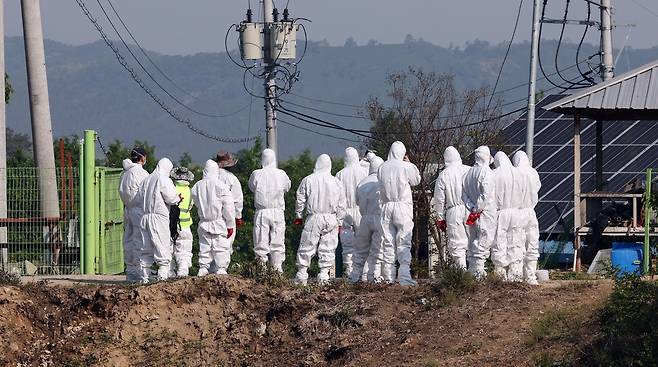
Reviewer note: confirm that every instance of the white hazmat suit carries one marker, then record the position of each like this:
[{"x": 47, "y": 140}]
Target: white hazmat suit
[
  {"x": 157, "y": 193},
  {"x": 368, "y": 243},
  {"x": 132, "y": 177},
  {"x": 396, "y": 177},
  {"x": 216, "y": 211},
  {"x": 350, "y": 176},
  {"x": 507, "y": 249},
  {"x": 323, "y": 197},
  {"x": 529, "y": 224},
  {"x": 269, "y": 185},
  {"x": 234, "y": 186},
  {"x": 449, "y": 205},
  {"x": 479, "y": 197}
]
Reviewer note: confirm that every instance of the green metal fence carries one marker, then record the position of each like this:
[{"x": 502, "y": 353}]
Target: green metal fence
[{"x": 650, "y": 222}]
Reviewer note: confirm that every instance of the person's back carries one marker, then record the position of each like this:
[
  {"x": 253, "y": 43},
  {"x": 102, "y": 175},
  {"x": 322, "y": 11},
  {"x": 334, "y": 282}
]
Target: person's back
[
  {"x": 323, "y": 197},
  {"x": 529, "y": 224},
  {"x": 269, "y": 185},
  {"x": 156, "y": 194},
  {"x": 132, "y": 177},
  {"x": 449, "y": 205},
  {"x": 396, "y": 177},
  {"x": 480, "y": 199},
  {"x": 350, "y": 176},
  {"x": 507, "y": 182}
]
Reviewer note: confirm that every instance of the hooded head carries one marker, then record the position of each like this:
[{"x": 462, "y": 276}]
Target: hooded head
[
  {"x": 164, "y": 166},
  {"x": 375, "y": 162},
  {"x": 398, "y": 151},
  {"x": 451, "y": 156},
  {"x": 323, "y": 164},
  {"x": 502, "y": 160},
  {"x": 127, "y": 164},
  {"x": 211, "y": 169},
  {"x": 268, "y": 158},
  {"x": 351, "y": 156},
  {"x": 482, "y": 156},
  {"x": 520, "y": 159}
]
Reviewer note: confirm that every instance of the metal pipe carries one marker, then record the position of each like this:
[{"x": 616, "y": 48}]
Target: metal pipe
[
  {"x": 607, "y": 57},
  {"x": 89, "y": 218},
  {"x": 648, "y": 213},
  {"x": 3, "y": 130},
  {"x": 270, "y": 83}
]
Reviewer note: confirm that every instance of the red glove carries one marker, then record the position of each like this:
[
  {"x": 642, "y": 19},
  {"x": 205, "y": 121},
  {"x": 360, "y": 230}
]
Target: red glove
[
  {"x": 239, "y": 222},
  {"x": 442, "y": 225},
  {"x": 298, "y": 222},
  {"x": 472, "y": 218},
  {"x": 229, "y": 232}
]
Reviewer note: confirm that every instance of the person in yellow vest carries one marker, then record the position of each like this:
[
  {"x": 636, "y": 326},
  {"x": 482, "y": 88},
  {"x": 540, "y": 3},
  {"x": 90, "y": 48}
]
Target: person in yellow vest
[{"x": 182, "y": 243}]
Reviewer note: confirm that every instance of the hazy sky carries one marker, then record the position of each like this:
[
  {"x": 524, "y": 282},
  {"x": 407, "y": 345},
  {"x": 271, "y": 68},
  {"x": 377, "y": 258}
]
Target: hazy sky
[{"x": 190, "y": 26}]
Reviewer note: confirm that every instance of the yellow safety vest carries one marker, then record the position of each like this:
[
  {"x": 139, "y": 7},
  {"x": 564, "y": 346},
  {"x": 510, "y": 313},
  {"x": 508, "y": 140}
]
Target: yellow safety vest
[{"x": 185, "y": 205}]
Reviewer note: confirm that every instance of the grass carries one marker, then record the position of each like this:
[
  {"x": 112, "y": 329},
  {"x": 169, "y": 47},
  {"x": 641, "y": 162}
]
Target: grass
[
  {"x": 340, "y": 318},
  {"x": 451, "y": 284},
  {"x": 572, "y": 275},
  {"x": 552, "y": 326},
  {"x": 261, "y": 273},
  {"x": 9, "y": 278}
]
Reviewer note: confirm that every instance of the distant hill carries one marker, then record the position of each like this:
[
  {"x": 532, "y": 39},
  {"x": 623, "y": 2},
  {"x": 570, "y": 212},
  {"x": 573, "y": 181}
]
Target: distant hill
[{"x": 90, "y": 90}]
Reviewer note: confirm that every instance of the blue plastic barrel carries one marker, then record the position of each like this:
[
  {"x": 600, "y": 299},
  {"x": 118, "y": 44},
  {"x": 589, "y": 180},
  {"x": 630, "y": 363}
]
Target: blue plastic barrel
[{"x": 627, "y": 257}]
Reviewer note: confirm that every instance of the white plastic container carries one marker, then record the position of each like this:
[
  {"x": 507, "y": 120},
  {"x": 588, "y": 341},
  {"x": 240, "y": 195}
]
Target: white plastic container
[{"x": 542, "y": 276}]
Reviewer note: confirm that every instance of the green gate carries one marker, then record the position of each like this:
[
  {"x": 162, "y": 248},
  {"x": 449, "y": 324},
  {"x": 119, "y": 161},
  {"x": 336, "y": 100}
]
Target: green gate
[
  {"x": 110, "y": 221},
  {"x": 101, "y": 227}
]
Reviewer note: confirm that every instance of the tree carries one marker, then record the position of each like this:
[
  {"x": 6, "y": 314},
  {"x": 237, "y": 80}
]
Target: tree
[
  {"x": 117, "y": 152},
  {"x": 9, "y": 90},
  {"x": 427, "y": 114}
]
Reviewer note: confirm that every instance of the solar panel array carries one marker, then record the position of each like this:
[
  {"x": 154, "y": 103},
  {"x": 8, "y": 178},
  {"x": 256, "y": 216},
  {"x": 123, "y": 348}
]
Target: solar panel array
[{"x": 629, "y": 148}]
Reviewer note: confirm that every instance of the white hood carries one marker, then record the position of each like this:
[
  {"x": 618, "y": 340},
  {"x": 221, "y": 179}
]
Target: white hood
[
  {"x": 521, "y": 160},
  {"x": 164, "y": 166},
  {"x": 451, "y": 156},
  {"x": 323, "y": 164},
  {"x": 482, "y": 156},
  {"x": 128, "y": 164},
  {"x": 268, "y": 158},
  {"x": 351, "y": 156},
  {"x": 502, "y": 160},
  {"x": 211, "y": 169},
  {"x": 397, "y": 152},
  {"x": 375, "y": 162}
]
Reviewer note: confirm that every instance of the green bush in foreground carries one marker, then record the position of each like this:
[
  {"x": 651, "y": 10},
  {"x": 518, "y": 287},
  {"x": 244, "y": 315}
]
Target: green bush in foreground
[{"x": 629, "y": 326}]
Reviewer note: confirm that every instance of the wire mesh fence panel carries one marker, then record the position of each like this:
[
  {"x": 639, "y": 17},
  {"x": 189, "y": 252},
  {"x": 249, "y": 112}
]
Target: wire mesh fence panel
[
  {"x": 111, "y": 221},
  {"x": 41, "y": 236}
]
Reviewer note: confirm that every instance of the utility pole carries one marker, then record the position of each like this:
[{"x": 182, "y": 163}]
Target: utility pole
[
  {"x": 607, "y": 60},
  {"x": 42, "y": 132},
  {"x": 534, "y": 52},
  {"x": 270, "y": 83},
  {"x": 3, "y": 132}
]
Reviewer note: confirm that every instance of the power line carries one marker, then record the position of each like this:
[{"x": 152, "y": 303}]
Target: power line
[
  {"x": 109, "y": 19},
  {"x": 649, "y": 10},
  {"x": 317, "y": 132},
  {"x": 509, "y": 47},
  {"x": 559, "y": 46},
  {"x": 137, "y": 79}
]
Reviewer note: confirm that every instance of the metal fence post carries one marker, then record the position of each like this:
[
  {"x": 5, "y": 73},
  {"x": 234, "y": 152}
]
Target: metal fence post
[
  {"x": 90, "y": 227},
  {"x": 81, "y": 206},
  {"x": 646, "y": 259}
]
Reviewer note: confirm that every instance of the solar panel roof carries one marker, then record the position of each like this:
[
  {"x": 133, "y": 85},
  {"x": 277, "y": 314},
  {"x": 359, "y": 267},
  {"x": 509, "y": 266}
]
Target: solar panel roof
[{"x": 629, "y": 148}]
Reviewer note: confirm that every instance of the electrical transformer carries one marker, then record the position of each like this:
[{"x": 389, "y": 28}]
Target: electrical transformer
[
  {"x": 283, "y": 40},
  {"x": 251, "y": 47}
]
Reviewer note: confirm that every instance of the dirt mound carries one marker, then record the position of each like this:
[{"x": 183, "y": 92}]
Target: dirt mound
[{"x": 238, "y": 322}]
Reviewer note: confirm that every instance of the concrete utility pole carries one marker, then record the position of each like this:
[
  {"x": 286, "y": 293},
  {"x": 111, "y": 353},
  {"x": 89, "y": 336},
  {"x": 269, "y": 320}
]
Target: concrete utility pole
[
  {"x": 42, "y": 132},
  {"x": 3, "y": 130},
  {"x": 270, "y": 83},
  {"x": 607, "y": 60},
  {"x": 534, "y": 52}
]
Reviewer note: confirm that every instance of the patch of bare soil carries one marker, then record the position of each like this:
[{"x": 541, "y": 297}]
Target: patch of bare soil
[{"x": 229, "y": 321}]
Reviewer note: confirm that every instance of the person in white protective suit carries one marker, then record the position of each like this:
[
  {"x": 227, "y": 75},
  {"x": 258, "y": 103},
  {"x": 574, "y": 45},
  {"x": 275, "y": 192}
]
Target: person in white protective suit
[
  {"x": 214, "y": 204},
  {"x": 508, "y": 249},
  {"x": 132, "y": 177},
  {"x": 350, "y": 176},
  {"x": 157, "y": 193},
  {"x": 182, "y": 241},
  {"x": 529, "y": 224},
  {"x": 323, "y": 197},
  {"x": 368, "y": 243},
  {"x": 396, "y": 176},
  {"x": 480, "y": 200},
  {"x": 449, "y": 206},
  {"x": 269, "y": 185}
]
